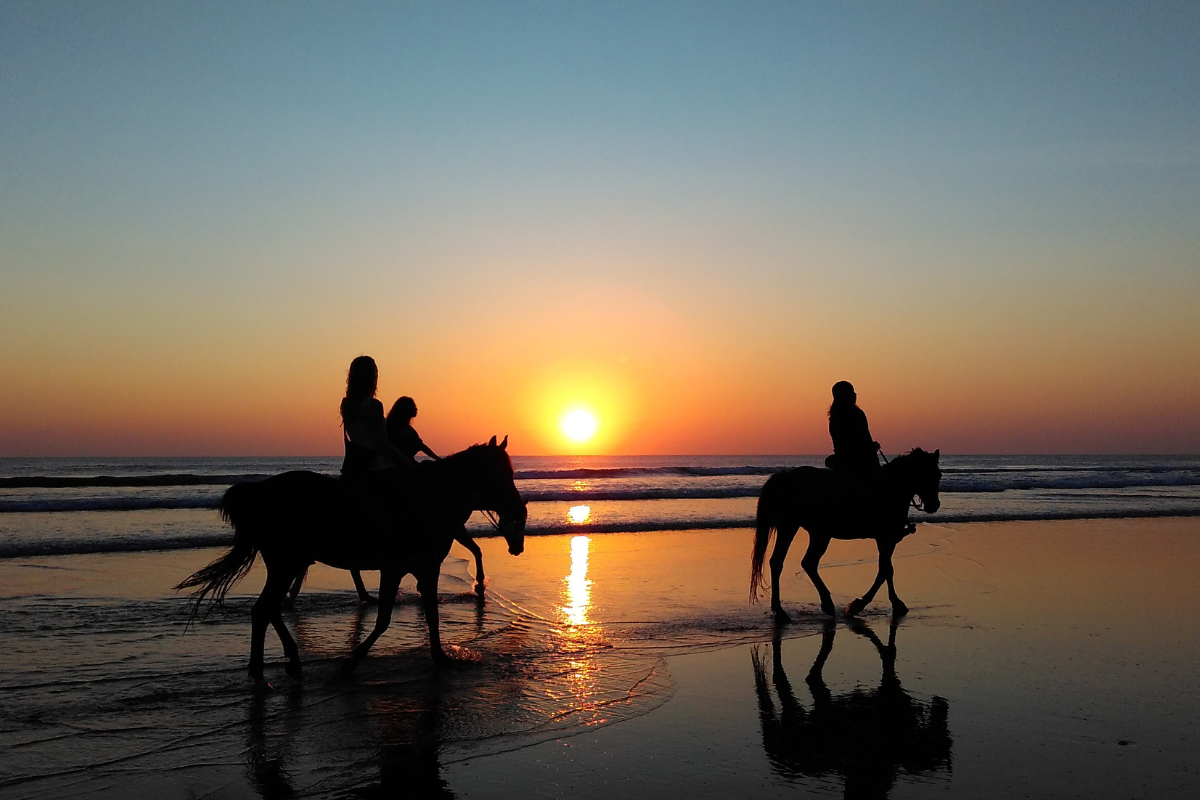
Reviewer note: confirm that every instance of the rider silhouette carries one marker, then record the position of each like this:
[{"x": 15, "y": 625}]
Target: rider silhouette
[
  {"x": 371, "y": 464},
  {"x": 854, "y": 457},
  {"x": 402, "y": 434},
  {"x": 853, "y": 447}
]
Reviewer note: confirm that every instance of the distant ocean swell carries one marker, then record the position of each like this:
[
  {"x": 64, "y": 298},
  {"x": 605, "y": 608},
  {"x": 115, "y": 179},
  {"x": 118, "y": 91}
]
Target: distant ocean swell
[
  {"x": 224, "y": 538},
  {"x": 953, "y": 480},
  {"x": 989, "y": 483}
]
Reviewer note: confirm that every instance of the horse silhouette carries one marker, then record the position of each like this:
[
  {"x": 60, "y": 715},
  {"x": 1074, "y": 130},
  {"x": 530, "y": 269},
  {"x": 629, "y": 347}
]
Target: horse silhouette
[
  {"x": 865, "y": 736},
  {"x": 297, "y": 518},
  {"x": 821, "y": 503}
]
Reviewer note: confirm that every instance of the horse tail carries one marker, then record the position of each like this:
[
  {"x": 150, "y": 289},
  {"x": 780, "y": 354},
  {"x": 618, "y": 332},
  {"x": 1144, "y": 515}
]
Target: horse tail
[
  {"x": 765, "y": 527},
  {"x": 238, "y": 507}
]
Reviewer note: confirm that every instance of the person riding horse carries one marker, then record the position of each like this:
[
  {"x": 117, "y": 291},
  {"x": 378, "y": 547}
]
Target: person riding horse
[
  {"x": 372, "y": 464},
  {"x": 855, "y": 457}
]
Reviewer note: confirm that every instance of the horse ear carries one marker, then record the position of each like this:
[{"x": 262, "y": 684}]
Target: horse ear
[
  {"x": 937, "y": 453},
  {"x": 492, "y": 443},
  {"x": 504, "y": 444}
]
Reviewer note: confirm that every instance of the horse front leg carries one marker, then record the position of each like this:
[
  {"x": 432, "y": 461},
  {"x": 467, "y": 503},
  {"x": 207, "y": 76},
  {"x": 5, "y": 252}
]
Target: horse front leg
[
  {"x": 389, "y": 583},
  {"x": 466, "y": 541},
  {"x": 817, "y": 545},
  {"x": 265, "y": 609},
  {"x": 783, "y": 540},
  {"x": 364, "y": 596},
  {"x": 884, "y": 574},
  {"x": 427, "y": 585}
]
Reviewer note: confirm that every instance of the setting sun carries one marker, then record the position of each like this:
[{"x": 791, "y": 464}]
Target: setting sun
[{"x": 579, "y": 425}]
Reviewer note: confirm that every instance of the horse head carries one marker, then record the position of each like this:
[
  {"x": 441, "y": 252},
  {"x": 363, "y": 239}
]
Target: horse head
[
  {"x": 496, "y": 491},
  {"x": 926, "y": 478}
]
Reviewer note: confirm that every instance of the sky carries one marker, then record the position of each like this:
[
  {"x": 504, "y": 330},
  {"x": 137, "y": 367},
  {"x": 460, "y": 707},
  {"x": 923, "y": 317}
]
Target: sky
[{"x": 689, "y": 218}]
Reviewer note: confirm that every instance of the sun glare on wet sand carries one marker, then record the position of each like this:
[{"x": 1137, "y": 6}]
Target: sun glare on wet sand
[{"x": 578, "y": 425}]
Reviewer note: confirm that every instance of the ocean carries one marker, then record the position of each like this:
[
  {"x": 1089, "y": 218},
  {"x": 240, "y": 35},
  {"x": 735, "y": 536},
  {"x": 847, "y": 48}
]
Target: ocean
[{"x": 52, "y": 506}]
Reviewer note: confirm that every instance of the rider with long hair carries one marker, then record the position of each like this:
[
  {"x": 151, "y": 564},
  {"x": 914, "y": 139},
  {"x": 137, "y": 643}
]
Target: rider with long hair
[{"x": 372, "y": 464}]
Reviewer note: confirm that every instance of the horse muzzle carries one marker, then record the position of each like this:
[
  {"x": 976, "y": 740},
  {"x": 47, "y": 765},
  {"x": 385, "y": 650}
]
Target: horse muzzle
[
  {"x": 512, "y": 528},
  {"x": 931, "y": 505}
]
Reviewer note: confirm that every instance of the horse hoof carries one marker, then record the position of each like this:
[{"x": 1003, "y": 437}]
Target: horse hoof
[
  {"x": 899, "y": 609},
  {"x": 479, "y": 589},
  {"x": 829, "y": 609},
  {"x": 367, "y": 600},
  {"x": 292, "y": 668},
  {"x": 440, "y": 658},
  {"x": 262, "y": 687},
  {"x": 855, "y": 607}
]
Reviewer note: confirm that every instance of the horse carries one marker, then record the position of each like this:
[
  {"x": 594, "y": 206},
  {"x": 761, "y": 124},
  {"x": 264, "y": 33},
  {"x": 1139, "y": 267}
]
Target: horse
[
  {"x": 297, "y": 518},
  {"x": 865, "y": 735},
  {"x": 819, "y": 501}
]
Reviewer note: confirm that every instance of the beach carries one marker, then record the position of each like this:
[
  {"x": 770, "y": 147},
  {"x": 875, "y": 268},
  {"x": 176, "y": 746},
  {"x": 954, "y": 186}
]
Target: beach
[{"x": 1040, "y": 658}]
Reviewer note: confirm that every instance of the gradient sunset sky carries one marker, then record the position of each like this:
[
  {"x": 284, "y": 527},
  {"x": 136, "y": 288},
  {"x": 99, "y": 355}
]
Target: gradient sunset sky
[{"x": 691, "y": 217}]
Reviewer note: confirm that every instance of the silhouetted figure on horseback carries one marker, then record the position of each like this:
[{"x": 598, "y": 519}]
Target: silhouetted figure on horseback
[
  {"x": 854, "y": 450},
  {"x": 404, "y": 437},
  {"x": 855, "y": 458},
  {"x": 400, "y": 432}
]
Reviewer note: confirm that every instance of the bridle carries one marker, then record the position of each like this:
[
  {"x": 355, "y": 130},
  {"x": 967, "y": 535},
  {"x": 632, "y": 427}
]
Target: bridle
[{"x": 912, "y": 501}]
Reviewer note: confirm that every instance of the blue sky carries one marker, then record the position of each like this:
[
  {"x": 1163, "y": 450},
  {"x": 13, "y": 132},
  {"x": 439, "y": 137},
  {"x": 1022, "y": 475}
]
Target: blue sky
[{"x": 952, "y": 202}]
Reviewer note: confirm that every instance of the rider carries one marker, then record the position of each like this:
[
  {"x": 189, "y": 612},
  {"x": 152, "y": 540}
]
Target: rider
[
  {"x": 854, "y": 449},
  {"x": 402, "y": 434},
  {"x": 371, "y": 463}
]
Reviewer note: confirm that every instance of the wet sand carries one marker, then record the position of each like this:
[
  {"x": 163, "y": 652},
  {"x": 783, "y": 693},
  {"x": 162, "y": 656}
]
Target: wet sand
[{"x": 1039, "y": 659}]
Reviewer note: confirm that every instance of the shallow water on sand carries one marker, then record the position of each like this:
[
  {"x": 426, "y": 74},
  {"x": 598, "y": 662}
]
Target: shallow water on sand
[{"x": 102, "y": 689}]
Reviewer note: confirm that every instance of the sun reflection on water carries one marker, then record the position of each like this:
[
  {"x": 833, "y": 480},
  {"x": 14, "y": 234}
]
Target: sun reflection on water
[
  {"x": 579, "y": 515},
  {"x": 579, "y": 588}
]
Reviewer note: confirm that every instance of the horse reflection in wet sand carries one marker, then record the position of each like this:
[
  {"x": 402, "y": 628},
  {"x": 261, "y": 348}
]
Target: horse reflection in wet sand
[
  {"x": 820, "y": 502},
  {"x": 297, "y": 518},
  {"x": 866, "y": 736}
]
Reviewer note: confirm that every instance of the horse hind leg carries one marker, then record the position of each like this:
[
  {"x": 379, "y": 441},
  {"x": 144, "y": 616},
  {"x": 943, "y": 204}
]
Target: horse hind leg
[
  {"x": 266, "y": 608},
  {"x": 783, "y": 541}
]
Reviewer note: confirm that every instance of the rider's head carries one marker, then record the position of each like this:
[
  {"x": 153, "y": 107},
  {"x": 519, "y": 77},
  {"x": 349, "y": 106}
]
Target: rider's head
[
  {"x": 843, "y": 392},
  {"x": 361, "y": 381},
  {"x": 405, "y": 408}
]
